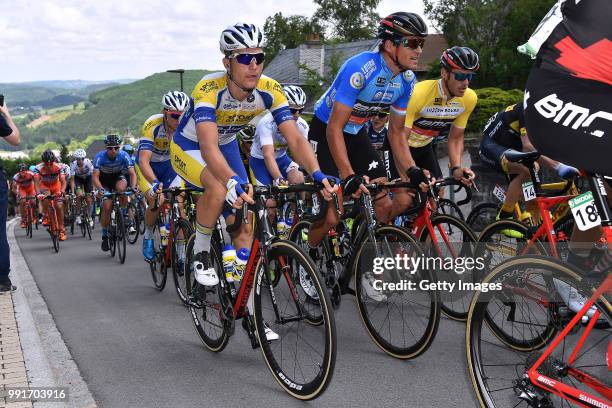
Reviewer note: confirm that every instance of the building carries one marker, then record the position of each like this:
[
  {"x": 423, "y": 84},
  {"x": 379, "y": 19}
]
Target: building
[{"x": 288, "y": 65}]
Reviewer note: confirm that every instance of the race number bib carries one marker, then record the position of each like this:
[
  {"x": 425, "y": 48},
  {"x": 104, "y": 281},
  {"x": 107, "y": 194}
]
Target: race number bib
[
  {"x": 529, "y": 191},
  {"x": 499, "y": 193},
  {"x": 584, "y": 211}
]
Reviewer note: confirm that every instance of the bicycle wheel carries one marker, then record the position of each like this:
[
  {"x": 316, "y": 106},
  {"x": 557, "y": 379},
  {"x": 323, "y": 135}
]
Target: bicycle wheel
[
  {"x": 299, "y": 235},
  {"x": 141, "y": 209},
  {"x": 84, "y": 223},
  {"x": 120, "y": 236},
  {"x": 302, "y": 360},
  {"x": 53, "y": 228},
  {"x": 132, "y": 227},
  {"x": 112, "y": 233},
  {"x": 207, "y": 303},
  {"x": 453, "y": 240},
  {"x": 401, "y": 321},
  {"x": 482, "y": 215},
  {"x": 158, "y": 267},
  {"x": 182, "y": 232},
  {"x": 539, "y": 310},
  {"x": 28, "y": 213},
  {"x": 448, "y": 207}
]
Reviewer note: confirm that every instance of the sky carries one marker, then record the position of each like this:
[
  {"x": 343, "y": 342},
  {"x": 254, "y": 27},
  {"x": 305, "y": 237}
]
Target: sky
[{"x": 121, "y": 39}]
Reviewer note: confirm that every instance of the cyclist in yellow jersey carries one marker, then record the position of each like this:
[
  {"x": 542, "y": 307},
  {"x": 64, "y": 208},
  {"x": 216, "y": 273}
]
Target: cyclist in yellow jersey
[
  {"x": 439, "y": 106},
  {"x": 204, "y": 150}
]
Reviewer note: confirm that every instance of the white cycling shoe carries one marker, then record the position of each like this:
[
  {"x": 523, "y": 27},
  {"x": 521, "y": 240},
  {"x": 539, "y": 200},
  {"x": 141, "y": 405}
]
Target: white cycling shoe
[{"x": 368, "y": 286}]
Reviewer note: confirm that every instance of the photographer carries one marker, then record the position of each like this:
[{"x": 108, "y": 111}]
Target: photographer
[{"x": 11, "y": 134}]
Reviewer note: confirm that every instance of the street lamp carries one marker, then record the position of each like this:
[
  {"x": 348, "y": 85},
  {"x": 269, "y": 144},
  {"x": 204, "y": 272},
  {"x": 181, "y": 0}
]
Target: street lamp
[{"x": 180, "y": 72}]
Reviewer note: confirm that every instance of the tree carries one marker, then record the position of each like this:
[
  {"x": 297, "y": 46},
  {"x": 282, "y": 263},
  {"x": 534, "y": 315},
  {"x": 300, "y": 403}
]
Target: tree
[
  {"x": 287, "y": 32},
  {"x": 64, "y": 154},
  {"x": 492, "y": 28},
  {"x": 348, "y": 20}
]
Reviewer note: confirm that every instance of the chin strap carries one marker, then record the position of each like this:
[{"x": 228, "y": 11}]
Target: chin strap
[
  {"x": 395, "y": 60},
  {"x": 450, "y": 94},
  {"x": 231, "y": 78}
]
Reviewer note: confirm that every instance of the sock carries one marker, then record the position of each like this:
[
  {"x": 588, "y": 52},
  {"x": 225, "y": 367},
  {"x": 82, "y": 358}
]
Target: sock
[
  {"x": 202, "y": 238},
  {"x": 104, "y": 232},
  {"x": 148, "y": 232},
  {"x": 507, "y": 211}
]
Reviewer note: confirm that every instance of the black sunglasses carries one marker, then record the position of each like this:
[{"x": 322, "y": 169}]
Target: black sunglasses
[
  {"x": 413, "y": 43},
  {"x": 246, "y": 59},
  {"x": 461, "y": 76},
  {"x": 382, "y": 115},
  {"x": 112, "y": 148},
  {"x": 296, "y": 110}
]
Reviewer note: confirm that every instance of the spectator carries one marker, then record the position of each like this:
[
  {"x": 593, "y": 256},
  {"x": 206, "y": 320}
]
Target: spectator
[
  {"x": 377, "y": 128},
  {"x": 11, "y": 134}
]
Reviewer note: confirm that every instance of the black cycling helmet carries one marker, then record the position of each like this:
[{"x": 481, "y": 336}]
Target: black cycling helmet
[
  {"x": 400, "y": 24},
  {"x": 48, "y": 156},
  {"x": 460, "y": 58},
  {"x": 22, "y": 167},
  {"x": 112, "y": 140},
  {"x": 247, "y": 133}
]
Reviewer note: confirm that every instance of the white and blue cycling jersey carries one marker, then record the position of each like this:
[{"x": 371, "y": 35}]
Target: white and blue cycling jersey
[
  {"x": 368, "y": 85},
  {"x": 106, "y": 165}
]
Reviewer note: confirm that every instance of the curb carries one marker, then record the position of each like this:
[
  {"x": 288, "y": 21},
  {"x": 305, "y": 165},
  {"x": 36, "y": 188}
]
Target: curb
[{"x": 48, "y": 361}]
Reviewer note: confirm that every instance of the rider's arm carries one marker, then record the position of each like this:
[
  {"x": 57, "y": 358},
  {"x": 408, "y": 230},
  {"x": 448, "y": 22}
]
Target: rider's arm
[
  {"x": 37, "y": 184},
  {"x": 398, "y": 141},
  {"x": 63, "y": 182},
  {"x": 144, "y": 164},
  {"x": 270, "y": 160},
  {"x": 132, "y": 174},
  {"x": 338, "y": 118},
  {"x": 208, "y": 138},
  {"x": 95, "y": 178},
  {"x": 543, "y": 160},
  {"x": 300, "y": 148},
  {"x": 455, "y": 146}
]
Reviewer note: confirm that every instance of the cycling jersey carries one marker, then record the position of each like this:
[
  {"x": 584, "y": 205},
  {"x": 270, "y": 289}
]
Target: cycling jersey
[
  {"x": 581, "y": 44},
  {"x": 155, "y": 139},
  {"x": 431, "y": 112},
  {"x": 267, "y": 133},
  {"x": 66, "y": 171},
  {"x": 83, "y": 171},
  {"x": 376, "y": 137},
  {"x": 24, "y": 179},
  {"x": 50, "y": 174},
  {"x": 106, "y": 165},
  {"x": 507, "y": 127},
  {"x": 368, "y": 85},
  {"x": 212, "y": 102}
]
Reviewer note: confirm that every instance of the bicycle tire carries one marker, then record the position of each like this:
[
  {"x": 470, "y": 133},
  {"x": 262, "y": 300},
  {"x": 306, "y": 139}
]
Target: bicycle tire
[
  {"x": 112, "y": 233},
  {"x": 28, "y": 222},
  {"x": 448, "y": 207},
  {"x": 483, "y": 373},
  {"x": 430, "y": 302},
  {"x": 158, "y": 267},
  {"x": 53, "y": 228},
  {"x": 120, "y": 237},
  {"x": 206, "y": 296},
  {"x": 296, "y": 235},
  {"x": 454, "y": 304},
  {"x": 183, "y": 228},
  {"x": 482, "y": 215},
  {"x": 286, "y": 257},
  {"x": 132, "y": 216},
  {"x": 141, "y": 210}
]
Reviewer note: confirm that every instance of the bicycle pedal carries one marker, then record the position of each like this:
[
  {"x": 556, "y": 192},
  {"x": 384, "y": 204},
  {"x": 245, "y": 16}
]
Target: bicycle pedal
[{"x": 249, "y": 326}]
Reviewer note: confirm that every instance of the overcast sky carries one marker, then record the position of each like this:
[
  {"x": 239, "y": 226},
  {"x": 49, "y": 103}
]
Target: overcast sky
[{"x": 116, "y": 39}]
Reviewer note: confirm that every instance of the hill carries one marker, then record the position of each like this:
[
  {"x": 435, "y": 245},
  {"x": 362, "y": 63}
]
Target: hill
[{"x": 115, "y": 109}]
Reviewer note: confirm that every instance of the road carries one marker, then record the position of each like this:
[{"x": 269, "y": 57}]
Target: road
[{"x": 136, "y": 347}]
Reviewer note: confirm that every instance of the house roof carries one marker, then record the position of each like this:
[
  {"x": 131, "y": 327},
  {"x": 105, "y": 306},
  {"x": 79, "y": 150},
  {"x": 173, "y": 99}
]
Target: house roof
[{"x": 285, "y": 66}]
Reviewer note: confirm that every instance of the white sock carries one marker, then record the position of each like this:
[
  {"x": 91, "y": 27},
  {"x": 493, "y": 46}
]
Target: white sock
[
  {"x": 148, "y": 232},
  {"x": 202, "y": 238}
]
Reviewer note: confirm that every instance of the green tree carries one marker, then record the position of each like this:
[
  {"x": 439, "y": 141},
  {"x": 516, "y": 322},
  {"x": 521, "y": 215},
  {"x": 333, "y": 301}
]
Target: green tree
[
  {"x": 348, "y": 20},
  {"x": 287, "y": 32},
  {"x": 492, "y": 28},
  {"x": 64, "y": 154}
]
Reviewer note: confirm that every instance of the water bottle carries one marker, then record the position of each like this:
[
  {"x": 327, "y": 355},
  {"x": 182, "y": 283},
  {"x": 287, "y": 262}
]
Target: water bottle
[
  {"x": 229, "y": 266},
  {"x": 164, "y": 230},
  {"x": 281, "y": 227},
  {"x": 241, "y": 262}
]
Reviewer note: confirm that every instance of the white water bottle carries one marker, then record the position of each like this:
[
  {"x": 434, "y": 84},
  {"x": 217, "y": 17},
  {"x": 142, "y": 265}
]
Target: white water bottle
[
  {"x": 241, "y": 262},
  {"x": 163, "y": 233},
  {"x": 229, "y": 266}
]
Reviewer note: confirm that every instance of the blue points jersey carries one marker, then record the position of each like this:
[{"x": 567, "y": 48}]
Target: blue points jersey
[
  {"x": 106, "y": 165},
  {"x": 366, "y": 84}
]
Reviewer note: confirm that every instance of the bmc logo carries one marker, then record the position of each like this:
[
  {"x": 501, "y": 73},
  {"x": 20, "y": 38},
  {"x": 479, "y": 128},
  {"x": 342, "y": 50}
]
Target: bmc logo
[
  {"x": 573, "y": 116},
  {"x": 546, "y": 381}
]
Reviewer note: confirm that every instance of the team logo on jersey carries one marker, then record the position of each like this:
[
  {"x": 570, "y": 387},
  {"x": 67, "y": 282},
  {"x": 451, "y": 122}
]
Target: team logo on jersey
[
  {"x": 378, "y": 96},
  {"x": 381, "y": 81},
  {"x": 408, "y": 76},
  {"x": 357, "y": 80},
  {"x": 250, "y": 98},
  {"x": 209, "y": 86},
  {"x": 373, "y": 165},
  {"x": 368, "y": 68},
  {"x": 438, "y": 101},
  {"x": 395, "y": 84}
]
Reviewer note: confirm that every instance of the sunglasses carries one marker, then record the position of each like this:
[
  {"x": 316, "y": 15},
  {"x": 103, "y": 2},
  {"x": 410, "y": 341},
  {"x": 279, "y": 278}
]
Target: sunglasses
[
  {"x": 382, "y": 115},
  {"x": 461, "y": 76},
  {"x": 112, "y": 148},
  {"x": 296, "y": 110},
  {"x": 246, "y": 59},
  {"x": 413, "y": 43}
]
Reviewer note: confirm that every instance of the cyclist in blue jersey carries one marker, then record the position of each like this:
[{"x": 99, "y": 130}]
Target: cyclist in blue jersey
[
  {"x": 367, "y": 84},
  {"x": 107, "y": 175}
]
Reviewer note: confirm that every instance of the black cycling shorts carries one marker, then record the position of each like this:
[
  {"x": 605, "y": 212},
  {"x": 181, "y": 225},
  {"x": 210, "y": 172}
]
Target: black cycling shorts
[
  {"x": 425, "y": 157},
  {"x": 109, "y": 180},
  {"x": 570, "y": 119},
  {"x": 361, "y": 154},
  {"x": 85, "y": 184}
]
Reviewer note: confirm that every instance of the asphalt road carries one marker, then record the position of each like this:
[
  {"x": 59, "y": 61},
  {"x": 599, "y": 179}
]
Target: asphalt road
[{"x": 136, "y": 347}]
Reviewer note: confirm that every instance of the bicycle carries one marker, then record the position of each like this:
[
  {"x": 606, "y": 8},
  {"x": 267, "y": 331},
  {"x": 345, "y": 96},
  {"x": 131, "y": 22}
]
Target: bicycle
[
  {"x": 86, "y": 220},
  {"x": 53, "y": 228},
  {"x": 308, "y": 331},
  {"x": 389, "y": 316},
  {"x": 30, "y": 214},
  {"x": 116, "y": 229},
  {"x": 70, "y": 211},
  {"x": 172, "y": 255},
  {"x": 548, "y": 343}
]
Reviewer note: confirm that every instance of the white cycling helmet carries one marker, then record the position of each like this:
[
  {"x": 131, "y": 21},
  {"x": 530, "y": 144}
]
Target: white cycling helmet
[
  {"x": 175, "y": 101},
  {"x": 295, "y": 95},
  {"x": 240, "y": 36},
  {"x": 80, "y": 154}
]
